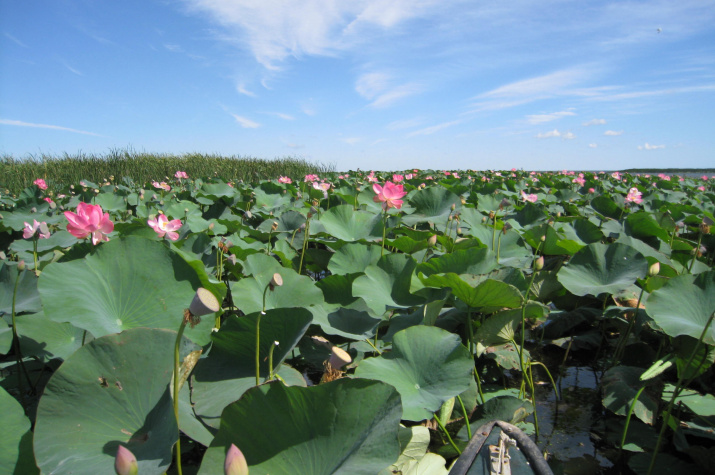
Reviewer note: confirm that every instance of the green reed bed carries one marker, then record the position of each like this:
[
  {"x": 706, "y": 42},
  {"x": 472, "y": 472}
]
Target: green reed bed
[{"x": 18, "y": 173}]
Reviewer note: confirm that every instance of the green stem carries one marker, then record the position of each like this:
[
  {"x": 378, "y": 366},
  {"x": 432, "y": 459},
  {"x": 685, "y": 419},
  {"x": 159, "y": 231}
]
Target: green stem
[
  {"x": 34, "y": 253},
  {"x": 373, "y": 345},
  {"x": 384, "y": 232},
  {"x": 16, "y": 342},
  {"x": 628, "y": 418},
  {"x": 548, "y": 373},
  {"x": 258, "y": 347},
  {"x": 676, "y": 392},
  {"x": 466, "y": 417},
  {"x": 479, "y": 385},
  {"x": 441, "y": 426},
  {"x": 305, "y": 244},
  {"x": 176, "y": 392},
  {"x": 695, "y": 252},
  {"x": 624, "y": 339}
]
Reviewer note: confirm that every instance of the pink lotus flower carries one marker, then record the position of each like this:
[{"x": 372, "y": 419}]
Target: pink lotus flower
[
  {"x": 591, "y": 190},
  {"x": 180, "y": 175},
  {"x": 31, "y": 229},
  {"x": 89, "y": 220},
  {"x": 162, "y": 226},
  {"x": 48, "y": 199},
  {"x": 235, "y": 463},
  {"x": 704, "y": 178},
  {"x": 309, "y": 178},
  {"x": 371, "y": 177},
  {"x": 40, "y": 184},
  {"x": 409, "y": 176},
  {"x": 530, "y": 198},
  {"x": 284, "y": 179},
  {"x": 616, "y": 175},
  {"x": 161, "y": 186},
  {"x": 634, "y": 196},
  {"x": 389, "y": 195},
  {"x": 579, "y": 180},
  {"x": 701, "y": 188},
  {"x": 397, "y": 178}
]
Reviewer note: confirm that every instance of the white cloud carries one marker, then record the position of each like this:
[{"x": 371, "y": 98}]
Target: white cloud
[
  {"x": 613, "y": 133},
  {"x": 274, "y": 30},
  {"x": 173, "y": 48},
  {"x": 546, "y": 135},
  {"x": 592, "y": 145},
  {"x": 405, "y": 124},
  {"x": 434, "y": 128},
  {"x": 541, "y": 118},
  {"x": 595, "y": 122},
  {"x": 648, "y": 146},
  {"x": 246, "y": 123},
  {"x": 241, "y": 88},
  {"x": 283, "y": 116},
  {"x": 377, "y": 87},
  {"x": 351, "y": 140},
  {"x": 568, "y": 136},
  {"x": 45, "y": 126},
  {"x": 15, "y": 40}
]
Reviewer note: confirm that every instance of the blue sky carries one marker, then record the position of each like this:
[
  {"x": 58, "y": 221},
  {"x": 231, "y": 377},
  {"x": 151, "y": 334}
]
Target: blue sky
[{"x": 370, "y": 84}]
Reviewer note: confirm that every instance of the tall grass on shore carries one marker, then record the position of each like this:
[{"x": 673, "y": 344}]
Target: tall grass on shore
[{"x": 16, "y": 174}]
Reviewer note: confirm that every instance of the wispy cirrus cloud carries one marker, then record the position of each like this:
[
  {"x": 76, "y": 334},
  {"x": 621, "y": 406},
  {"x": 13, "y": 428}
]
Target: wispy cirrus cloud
[
  {"x": 15, "y": 40},
  {"x": 541, "y": 118},
  {"x": 20, "y": 123},
  {"x": 613, "y": 133},
  {"x": 434, "y": 128},
  {"x": 241, "y": 89},
  {"x": 379, "y": 88},
  {"x": 245, "y": 123}
]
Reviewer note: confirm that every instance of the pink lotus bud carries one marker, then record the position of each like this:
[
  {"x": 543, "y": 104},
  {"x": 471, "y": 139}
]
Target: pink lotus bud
[
  {"x": 21, "y": 265},
  {"x": 654, "y": 269},
  {"x": 235, "y": 462},
  {"x": 125, "y": 463},
  {"x": 539, "y": 263}
]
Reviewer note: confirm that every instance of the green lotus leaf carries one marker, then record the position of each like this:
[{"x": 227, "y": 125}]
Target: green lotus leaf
[
  {"x": 27, "y": 298},
  {"x": 602, "y": 268},
  {"x": 296, "y": 291},
  {"x": 344, "y": 314},
  {"x": 427, "y": 365},
  {"x": 47, "y": 339},
  {"x": 488, "y": 296},
  {"x": 348, "y": 224},
  {"x": 111, "y": 201},
  {"x": 217, "y": 190},
  {"x": 353, "y": 258},
  {"x": 607, "y": 207},
  {"x": 112, "y": 391},
  {"x": 475, "y": 260},
  {"x": 287, "y": 222},
  {"x": 502, "y": 326},
  {"x": 432, "y": 205},
  {"x": 6, "y": 337},
  {"x": 57, "y": 240},
  {"x": 502, "y": 408},
  {"x": 15, "y": 427},
  {"x": 125, "y": 283},
  {"x": 230, "y": 369},
  {"x": 684, "y": 304},
  {"x": 620, "y": 385},
  {"x": 348, "y": 427},
  {"x": 415, "y": 441},
  {"x": 510, "y": 247},
  {"x": 387, "y": 284},
  {"x": 642, "y": 225}
]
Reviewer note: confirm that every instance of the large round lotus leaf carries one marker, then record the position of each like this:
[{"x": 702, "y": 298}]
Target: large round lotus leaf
[
  {"x": 433, "y": 204},
  {"x": 347, "y": 224},
  {"x": 230, "y": 368},
  {"x": 603, "y": 268},
  {"x": 345, "y": 427},
  {"x": 511, "y": 246},
  {"x": 427, "y": 365},
  {"x": 620, "y": 386},
  {"x": 14, "y": 426},
  {"x": 488, "y": 296},
  {"x": 26, "y": 299},
  {"x": 387, "y": 284},
  {"x": 125, "y": 283},
  {"x": 296, "y": 291},
  {"x": 353, "y": 258},
  {"x": 502, "y": 408},
  {"x": 475, "y": 260},
  {"x": 684, "y": 304},
  {"x": 114, "y": 390},
  {"x": 47, "y": 339}
]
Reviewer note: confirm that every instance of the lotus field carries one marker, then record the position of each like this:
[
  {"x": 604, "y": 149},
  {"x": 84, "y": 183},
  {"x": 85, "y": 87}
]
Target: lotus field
[{"x": 358, "y": 323}]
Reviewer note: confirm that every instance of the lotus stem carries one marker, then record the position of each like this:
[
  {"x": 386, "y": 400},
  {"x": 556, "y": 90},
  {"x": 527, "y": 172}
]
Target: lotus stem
[
  {"x": 384, "y": 232},
  {"x": 628, "y": 418},
  {"x": 176, "y": 391},
  {"x": 676, "y": 392},
  {"x": 449, "y": 438},
  {"x": 695, "y": 252},
  {"x": 466, "y": 417},
  {"x": 16, "y": 343}
]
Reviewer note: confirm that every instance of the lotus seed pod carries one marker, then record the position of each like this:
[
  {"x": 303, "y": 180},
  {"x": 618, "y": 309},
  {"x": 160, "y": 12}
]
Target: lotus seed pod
[
  {"x": 319, "y": 340},
  {"x": 539, "y": 263},
  {"x": 204, "y": 302},
  {"x": 235, "y": 463},
  {"x": 654, "y": 269},
  {"x": 339, "y": 357},
  {"x": 125, "y": 463},
  {"x": 276, "y": 281}
]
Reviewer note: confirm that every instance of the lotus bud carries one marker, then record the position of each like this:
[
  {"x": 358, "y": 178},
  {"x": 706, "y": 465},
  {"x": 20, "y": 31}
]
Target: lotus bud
[
  {"x": 453, "y": 207},
  {"x": 2, "y": 256},
  {"x": 248, "y": 214},
  {"x": 33, "y": 209},
  {"x": 464, "y": 201},
  {"x": 21, "y": 265},
  {"x": 125, "y": 463},
  {"x": 211, "y": 226},
  {"x": 339, "y": 357},
  {"x": 432, "y": 241},
  {"x": 274, "y": 226},
  {"x": 654, "y": 269},
  {"x": 492, "y": 214},
  {"x": 539, "y": 263},
  {"x": 543, "y": 238},
  {"x": 235, "y": 463},
  {"x": 204, "y": 302},
  {"x": 276, "y": 281},
  {"x": 484, "y": 219}
]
